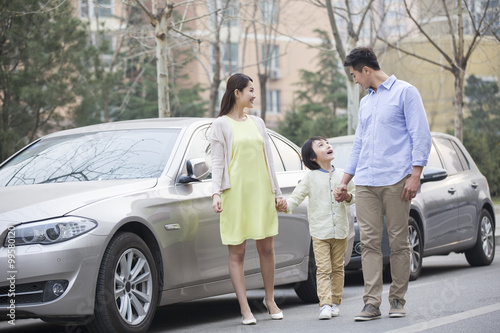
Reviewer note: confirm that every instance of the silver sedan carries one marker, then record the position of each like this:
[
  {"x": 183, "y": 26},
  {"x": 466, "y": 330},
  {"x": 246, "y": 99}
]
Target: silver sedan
[{"x": 102, "y": 224}]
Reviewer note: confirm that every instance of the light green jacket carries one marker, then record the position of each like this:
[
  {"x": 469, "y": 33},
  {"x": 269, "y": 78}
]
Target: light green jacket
[{"x": 327, "y": 217}]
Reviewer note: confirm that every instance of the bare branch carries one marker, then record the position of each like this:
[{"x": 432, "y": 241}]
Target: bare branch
[
  {"x": 450, "y": 61},
  {"x": 147, "y": 12},
  {"x": 415, "y": 55},
  {"x": 367, "y": 8},
  {"x": 450, "y": 26}
]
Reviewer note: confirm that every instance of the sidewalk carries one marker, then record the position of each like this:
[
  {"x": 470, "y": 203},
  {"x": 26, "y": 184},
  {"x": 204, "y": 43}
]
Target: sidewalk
[{"x": 497, "y": 228}]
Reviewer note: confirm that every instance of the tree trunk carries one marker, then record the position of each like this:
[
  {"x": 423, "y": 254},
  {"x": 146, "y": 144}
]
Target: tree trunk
[
  {"x": 459, "y": 103},
  {"x": 263, "y": 95},
  {"x": 214, "y": 87},
  {"x": 352, "y": 106},
  {"x": 161, "y": 30}
]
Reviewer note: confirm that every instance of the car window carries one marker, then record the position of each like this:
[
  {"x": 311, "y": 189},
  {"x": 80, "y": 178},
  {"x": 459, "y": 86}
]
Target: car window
[
  {"x": 278, "y": 163},
  {"x": 106, "y": 155},
  {"x": 450, "y": 157},
  {"x": 461, "y": 156},
  {"x": 199, "y": 147},
  {"x": 434, "y": 161},
  {"x": 291, "y": 159}
]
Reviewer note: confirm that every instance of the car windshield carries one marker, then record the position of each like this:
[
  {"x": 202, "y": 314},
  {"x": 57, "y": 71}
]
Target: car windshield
[{"x": 107, "y": 155}]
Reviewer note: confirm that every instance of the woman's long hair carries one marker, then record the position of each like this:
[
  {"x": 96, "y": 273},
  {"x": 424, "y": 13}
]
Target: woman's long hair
[{"x": 236, "y": 81}]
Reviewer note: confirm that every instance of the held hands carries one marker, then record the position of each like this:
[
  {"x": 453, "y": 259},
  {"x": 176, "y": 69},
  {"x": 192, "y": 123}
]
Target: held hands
[
  {"x": 281, "y": 205},
  {"x": 216, "y": 203},
  {"x": 340, "y": 194}
]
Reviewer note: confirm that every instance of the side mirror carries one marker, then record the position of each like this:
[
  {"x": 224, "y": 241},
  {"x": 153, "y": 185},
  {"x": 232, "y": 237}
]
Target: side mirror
[
  {"x": 433, "y": 174},
  {"x": 197, "y": 170}
]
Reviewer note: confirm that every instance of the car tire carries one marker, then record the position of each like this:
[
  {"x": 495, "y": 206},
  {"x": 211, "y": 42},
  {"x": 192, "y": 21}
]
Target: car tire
[
  {"x": 307, "y": 290},
  {"x": 416, "y": 248},
  {"x": 483, "y": 252},
  {"x": 126, "y": 300}
]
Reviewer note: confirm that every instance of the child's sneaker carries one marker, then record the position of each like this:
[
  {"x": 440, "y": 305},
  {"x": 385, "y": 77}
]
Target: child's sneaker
[
  {"x": 325, "y": 312},
  {"x": 335, "y": 310}
]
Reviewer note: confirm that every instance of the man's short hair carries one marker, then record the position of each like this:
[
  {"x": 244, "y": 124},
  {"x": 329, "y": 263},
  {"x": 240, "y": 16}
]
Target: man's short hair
[{"x": 361, "y": 57}]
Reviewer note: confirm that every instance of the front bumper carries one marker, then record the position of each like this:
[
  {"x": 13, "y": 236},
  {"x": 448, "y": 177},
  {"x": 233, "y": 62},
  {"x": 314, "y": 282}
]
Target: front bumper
[{"x": 76, "y": 261}]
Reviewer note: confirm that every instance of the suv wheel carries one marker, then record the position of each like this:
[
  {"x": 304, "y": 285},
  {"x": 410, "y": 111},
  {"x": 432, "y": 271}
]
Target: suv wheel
[
  {"x": 483, "y": 252},
  {"x": 416, "y": 248}
]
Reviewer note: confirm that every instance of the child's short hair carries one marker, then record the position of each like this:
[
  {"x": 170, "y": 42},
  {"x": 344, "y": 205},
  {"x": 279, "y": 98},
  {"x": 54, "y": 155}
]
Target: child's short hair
[{"x": 308, "y": 153}]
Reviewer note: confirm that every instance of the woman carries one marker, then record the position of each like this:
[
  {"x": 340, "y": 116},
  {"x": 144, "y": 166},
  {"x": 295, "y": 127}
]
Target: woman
[{"x": 245, "y": 190}]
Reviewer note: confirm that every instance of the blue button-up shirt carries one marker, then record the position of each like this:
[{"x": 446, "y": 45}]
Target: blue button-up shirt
[{"x": 392, "y": 135}]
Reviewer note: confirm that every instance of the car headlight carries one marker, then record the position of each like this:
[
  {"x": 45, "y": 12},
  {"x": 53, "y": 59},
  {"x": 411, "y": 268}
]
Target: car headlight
[{"x": 49, "y": 231}]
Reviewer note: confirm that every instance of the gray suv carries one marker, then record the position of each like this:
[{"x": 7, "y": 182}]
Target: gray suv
[{"x": 452, "y": 211}]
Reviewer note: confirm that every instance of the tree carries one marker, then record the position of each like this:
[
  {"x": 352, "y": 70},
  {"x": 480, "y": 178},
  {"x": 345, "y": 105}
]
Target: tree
[
  {"x": 42, "y": 52},
  {"x": 223, "y": 14},
  {"x": 355, "y": 20},
  {"x": 456, "y": 59},
  {"x": 481, "y": 128},
  {"x": 322, "y": 93},
  {"x": 264, "y": 20}
]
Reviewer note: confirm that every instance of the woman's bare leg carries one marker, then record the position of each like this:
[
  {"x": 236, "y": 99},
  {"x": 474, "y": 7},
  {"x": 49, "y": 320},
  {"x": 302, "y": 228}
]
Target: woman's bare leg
[
  {"x": 265, "y": 247},
  {"x": 236, "y": 261}
]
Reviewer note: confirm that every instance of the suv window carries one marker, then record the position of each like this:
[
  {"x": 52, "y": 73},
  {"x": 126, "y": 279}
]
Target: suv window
[
  {"x": 434, "y": 161},
  {"x": 461, "y": 156},
  {"x": 289, "y": 156},
  {"x": 450, "y": 156}
]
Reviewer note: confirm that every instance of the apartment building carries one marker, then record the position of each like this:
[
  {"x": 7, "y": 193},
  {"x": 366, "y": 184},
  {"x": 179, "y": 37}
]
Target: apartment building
[{"x": 276, "y": 39}]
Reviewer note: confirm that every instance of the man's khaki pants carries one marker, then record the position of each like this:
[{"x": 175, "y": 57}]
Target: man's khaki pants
[
  {"x": 329, "y": 256},
  {"x": 372, "y": 203}
]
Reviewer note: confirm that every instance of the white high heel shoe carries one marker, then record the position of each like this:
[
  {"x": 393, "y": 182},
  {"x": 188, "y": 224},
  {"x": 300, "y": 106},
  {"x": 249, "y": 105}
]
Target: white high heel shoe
[
  {"x": 274, "y": 316},
  {"x": 251, "y": 321}
]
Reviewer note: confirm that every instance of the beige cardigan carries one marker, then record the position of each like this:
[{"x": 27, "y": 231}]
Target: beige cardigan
[{"x": 221, "y": 138}]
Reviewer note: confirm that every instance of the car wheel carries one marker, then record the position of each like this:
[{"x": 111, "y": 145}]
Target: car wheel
[
  {"x": 307, "y": 290},
  {"x": 416, "y": 248},
  {"x": 483, "y": 252},
  {"x": 127, "y": 287}
]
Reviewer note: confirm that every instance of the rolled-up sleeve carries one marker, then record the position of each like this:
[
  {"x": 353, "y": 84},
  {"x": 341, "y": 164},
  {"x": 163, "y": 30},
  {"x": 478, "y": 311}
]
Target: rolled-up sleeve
[{"x": 418, "y": 127}]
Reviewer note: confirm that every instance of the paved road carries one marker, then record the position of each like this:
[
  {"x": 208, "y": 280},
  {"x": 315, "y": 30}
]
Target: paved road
[{"x": 450, "y": 296}]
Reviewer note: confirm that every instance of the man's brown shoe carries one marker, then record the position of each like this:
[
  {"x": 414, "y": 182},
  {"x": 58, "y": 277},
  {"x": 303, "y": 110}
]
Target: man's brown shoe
[
  {"x": 369, "y": 312},
  {"x": 397, "y": 309}
]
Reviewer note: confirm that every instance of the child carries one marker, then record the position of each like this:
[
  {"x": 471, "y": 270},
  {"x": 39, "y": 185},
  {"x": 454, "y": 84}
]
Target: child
[{"x": 327, "y": 221}]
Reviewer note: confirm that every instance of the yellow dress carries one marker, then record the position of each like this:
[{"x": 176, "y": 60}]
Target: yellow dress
[{"x": 248, "y": 207}]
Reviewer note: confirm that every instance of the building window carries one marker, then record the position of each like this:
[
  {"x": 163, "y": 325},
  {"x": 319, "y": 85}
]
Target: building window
[
  {"x": 88, "y": 8},
  {"x": 273, "y": 101},
  {"x": 229, "y": 57},
  {"x": 231, "y": 15},
  {"x": 270, "y": 56},
  {"x": 269, "y": 10}
]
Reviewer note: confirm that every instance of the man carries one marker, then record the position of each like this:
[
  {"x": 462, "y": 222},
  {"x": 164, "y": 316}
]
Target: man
[{"x": 391, "y": 147}]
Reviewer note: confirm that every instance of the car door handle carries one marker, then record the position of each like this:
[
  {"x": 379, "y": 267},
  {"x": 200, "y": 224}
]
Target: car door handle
[
  {"x": 451, "y": 190},
  {"x": 474, "y": 185}
]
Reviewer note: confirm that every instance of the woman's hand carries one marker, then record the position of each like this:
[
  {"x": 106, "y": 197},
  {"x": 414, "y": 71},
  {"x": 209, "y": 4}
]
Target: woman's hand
[
  {"x": 216, "y": 203},
  {"x": 281, "y": 205}
]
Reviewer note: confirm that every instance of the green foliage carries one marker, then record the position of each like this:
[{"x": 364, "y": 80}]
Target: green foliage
[
  {"x": 322, "y": 93},
  {"x": 482, "y": 129},
  {"x": 41, "y": 62}
]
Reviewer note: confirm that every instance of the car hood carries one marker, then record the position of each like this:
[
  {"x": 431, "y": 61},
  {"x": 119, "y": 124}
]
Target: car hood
[{"x": 27, "y": 203}]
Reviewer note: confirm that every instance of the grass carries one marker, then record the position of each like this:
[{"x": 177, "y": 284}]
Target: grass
[{"x": 496, "y": 200}]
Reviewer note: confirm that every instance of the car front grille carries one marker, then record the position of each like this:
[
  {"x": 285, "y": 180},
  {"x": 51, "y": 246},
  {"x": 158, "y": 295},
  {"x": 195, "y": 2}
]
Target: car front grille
[{"x": 23, "y": 293}]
